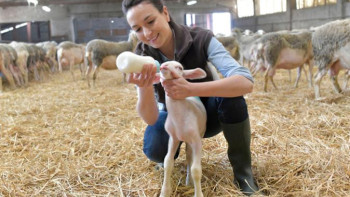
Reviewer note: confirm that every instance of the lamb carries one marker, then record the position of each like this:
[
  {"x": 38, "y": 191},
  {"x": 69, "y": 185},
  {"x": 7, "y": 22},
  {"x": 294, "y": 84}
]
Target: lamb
[
  {"x": 70, "y": 54},
  {"x": 287, "y": 50},
  {"x": 331, "y": 46},
  {"x": 189, "y": 129},
  {"x": 102, "y": 53}
]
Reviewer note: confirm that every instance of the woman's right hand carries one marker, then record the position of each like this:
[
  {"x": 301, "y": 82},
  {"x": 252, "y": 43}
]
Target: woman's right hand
[{"x": 145, "y": 77}]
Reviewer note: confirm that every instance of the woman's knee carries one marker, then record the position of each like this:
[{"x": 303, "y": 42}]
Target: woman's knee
[{"x": 232, "y": 110}]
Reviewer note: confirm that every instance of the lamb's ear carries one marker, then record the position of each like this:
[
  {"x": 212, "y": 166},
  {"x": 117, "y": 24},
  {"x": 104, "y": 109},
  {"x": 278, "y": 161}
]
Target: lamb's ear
[
  {"x": 196, "y": 73},
  {"x": 156, "y": 78}
]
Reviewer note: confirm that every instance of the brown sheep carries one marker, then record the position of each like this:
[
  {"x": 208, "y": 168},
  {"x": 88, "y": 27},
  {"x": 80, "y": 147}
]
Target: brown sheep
[{"x": 286, "y": 50}]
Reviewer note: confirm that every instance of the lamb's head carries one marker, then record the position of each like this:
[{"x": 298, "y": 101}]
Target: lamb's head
[
  {"x": 171, "y": 70},
  {"x": 174, "y": 70}
]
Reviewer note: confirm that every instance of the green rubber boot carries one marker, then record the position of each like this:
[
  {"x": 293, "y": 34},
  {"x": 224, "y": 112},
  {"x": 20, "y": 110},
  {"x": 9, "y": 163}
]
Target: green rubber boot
[{"x": 238, "y": 138}]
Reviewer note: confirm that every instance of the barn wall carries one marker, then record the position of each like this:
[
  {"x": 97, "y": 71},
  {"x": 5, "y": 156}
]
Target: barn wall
[
  {"x": 295, "y": 19},
  {"x": 81, "y": 23}
]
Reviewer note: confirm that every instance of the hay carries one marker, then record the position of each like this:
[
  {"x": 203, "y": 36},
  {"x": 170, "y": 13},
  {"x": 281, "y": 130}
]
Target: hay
[{"x": 60, "y": 138}]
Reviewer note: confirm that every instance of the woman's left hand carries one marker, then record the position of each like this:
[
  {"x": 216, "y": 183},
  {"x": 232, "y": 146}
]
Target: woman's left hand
[{"x": 177, "y": 88}]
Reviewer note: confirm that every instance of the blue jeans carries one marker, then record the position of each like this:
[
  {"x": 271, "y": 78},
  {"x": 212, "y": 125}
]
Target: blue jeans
[{"x": 219, "y": 110}]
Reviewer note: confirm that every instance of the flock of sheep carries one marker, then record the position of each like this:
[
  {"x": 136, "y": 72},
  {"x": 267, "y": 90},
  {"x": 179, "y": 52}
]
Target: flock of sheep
[
  {"x": 326, "y": 46},
  {"x": 21, "y": 62}
]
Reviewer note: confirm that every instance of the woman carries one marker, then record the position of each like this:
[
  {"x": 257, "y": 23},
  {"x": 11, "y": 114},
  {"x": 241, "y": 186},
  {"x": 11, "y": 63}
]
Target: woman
[{"x": 165, "y": 40}]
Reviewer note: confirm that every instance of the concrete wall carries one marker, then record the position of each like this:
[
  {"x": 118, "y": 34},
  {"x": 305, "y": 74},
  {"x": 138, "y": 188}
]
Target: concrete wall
[
  {"x": 296, "y": 19},
  {"x": 81, "y": 23}
]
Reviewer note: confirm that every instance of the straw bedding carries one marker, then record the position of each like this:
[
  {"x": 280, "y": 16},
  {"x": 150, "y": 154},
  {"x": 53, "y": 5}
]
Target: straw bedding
[{"x": 60, "y": 138}]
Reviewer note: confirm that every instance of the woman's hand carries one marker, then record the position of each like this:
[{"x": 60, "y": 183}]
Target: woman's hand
[
  {"x": 177, "y": 88},
  {"x": 145, "y": 77}
]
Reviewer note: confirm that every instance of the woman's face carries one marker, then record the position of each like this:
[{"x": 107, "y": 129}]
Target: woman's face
[{"x": 150, "y": 25}]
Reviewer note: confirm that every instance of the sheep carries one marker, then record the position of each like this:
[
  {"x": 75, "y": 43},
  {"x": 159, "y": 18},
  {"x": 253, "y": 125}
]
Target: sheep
[
  {"x": 102, "y": 53},
  {"x": 37, "y": 62},
  {"x": 4, "y": 69},
  {"x": 22, "y": 58},
  {"x": 231, "y": 45},
  {"x": 189, "y": 129},
  {"x": 70, "y": 54},
  {"x": 50, "y": 48},
  {"x": 9, "y": 64},
  {"x": 246, "y": 44},
  {"x": 285, "y": 50},
  {"x": 331, "y": 46}
]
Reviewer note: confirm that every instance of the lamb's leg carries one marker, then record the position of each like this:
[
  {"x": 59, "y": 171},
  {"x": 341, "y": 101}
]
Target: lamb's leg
[
  {"x": 168, "y": 167},
  {"x": 196, "y": 168},
  {"x": 189, "y": 162}
]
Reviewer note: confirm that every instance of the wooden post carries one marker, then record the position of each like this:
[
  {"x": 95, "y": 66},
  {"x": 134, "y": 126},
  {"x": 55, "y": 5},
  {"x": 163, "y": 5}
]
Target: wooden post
[{"x": 29, "y": 31}]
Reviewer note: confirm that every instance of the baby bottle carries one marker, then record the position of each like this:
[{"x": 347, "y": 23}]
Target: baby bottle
[{"x": 128, "y": 62}]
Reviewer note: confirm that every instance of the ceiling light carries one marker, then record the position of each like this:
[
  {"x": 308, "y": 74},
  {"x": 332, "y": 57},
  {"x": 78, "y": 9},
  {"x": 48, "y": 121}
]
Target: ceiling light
[
  {"x": 6, "y": 30},
  {"x": 46, "y": 8},
  {"x": 191, "y": 2},
  {"x": 21, "y": 25}
]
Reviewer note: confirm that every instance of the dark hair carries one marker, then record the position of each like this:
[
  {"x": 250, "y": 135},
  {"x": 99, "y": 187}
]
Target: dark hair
[{"x": 127, "y": 4}]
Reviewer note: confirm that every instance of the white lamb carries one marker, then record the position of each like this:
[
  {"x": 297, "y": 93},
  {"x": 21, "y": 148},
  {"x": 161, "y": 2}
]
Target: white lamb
[{"x": 186, "y": 122}]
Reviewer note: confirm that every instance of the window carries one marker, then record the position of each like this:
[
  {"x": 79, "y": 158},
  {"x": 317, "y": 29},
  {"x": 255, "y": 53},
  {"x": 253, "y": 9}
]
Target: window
[
  {"x": 272, "y": 6},
  {"x": 313, "y": 3},
  {"x": 245, "y": 8},
  {"x": 219, "y": 23}
]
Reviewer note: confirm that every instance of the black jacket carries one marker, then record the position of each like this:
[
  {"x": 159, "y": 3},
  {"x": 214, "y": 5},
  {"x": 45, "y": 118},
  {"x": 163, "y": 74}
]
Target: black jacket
[{"x": 191, "y": 46}]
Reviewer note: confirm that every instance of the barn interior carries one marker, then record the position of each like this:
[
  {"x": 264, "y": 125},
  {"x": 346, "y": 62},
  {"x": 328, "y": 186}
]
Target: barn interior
[{"x": 62, "y": 136}]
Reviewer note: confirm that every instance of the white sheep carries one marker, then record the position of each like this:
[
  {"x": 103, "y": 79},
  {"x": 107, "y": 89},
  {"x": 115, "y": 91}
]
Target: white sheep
[
  {"x": 186, "y": 121},
  {"x": 70, "y": 54},
  {"x": 331, "y": 46}
]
